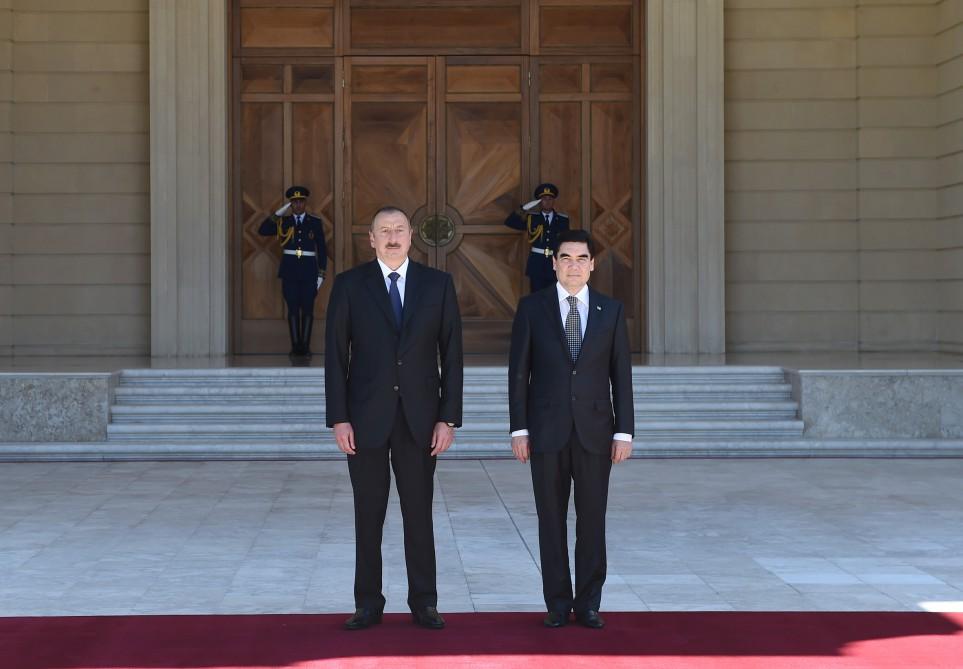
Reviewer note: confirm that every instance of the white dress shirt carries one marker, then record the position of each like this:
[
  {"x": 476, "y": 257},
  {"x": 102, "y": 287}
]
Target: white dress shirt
[
  {"x": 402, "y": 271},
  {"x": 582, "y": 304}
]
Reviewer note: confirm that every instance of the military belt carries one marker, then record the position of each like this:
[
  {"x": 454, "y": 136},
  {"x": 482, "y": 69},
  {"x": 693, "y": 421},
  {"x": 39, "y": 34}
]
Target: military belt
[
  {"x": 298, "y": 252},
  {"x": 541, "y": 252}
]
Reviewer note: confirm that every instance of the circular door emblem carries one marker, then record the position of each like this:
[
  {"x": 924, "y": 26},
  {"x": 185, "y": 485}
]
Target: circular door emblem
[{"x": 436, "y": 230}]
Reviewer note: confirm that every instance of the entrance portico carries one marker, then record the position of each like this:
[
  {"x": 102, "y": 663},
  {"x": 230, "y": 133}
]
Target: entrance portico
[{"x": 674, "y": 277}]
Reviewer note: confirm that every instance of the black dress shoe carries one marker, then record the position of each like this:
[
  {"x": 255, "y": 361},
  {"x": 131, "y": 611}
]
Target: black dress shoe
[
  {"x": 362, "y": 619},
  {"x": 591, "y": 619},
  {"x": 556, "y": 619},
  {"x": 428, "y": 618}
]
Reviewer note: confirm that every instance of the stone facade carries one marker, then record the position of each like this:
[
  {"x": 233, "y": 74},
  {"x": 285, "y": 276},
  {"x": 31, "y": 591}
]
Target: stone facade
[
  {"x": 843, "y": 138},
  {"x": 843, "y": 203},
  {"x": 6, "y": 178},
  {"x": 54, "y": 407},
  {"x": 949, "y": 91},
  {"x": 76, "y": 226},
  {"x": 880, "y": 404}
]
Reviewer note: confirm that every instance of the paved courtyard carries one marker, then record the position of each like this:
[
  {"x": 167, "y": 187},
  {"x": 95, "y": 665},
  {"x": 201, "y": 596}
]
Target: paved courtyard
[{"x": 277, "y": 537}]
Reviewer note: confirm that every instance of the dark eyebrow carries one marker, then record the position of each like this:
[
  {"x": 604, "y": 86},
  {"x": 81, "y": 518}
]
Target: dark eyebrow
[{"x": 569, "y": 255}]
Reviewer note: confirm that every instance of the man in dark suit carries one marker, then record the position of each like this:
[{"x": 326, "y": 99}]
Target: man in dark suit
[
  {"x": 390, "y": 324},
  {"x": 304, "y": 261},
  {"x": 569, "y": 369},
  {"x": 542, "y": 226}
]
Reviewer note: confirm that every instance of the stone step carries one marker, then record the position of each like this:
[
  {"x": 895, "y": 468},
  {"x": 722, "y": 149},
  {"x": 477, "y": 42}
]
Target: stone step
[
  {"x": 497, "y": 431},
  {"x": 280, "y": 412},
  {"x": 717, "y": 429},
  {"x": 259, "y": 393},
  {"x": 776, "y": 410},
  {"x": 309, "y": 450},
  {"x": 233, "y": 377},
  {"x": 284, "y": 407},
  {"x": 698, "y": 392},
  {"x": 694, "y": 392}
]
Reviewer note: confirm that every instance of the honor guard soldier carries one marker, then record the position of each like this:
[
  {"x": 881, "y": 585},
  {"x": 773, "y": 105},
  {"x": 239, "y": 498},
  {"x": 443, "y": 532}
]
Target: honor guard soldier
[
  {"x": 304, "y": 261},
  {"x": 542, "y": 225}
]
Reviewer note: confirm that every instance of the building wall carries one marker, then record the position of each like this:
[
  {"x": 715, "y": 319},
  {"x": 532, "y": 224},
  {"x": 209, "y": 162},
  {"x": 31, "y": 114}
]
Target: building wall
[
  {"x": 949, "y": 82},
  {"x": 80, "y": 237},
  {"x": 844, "y": 156},
  {"x": 834, "y": 223},
  {"x": 6, "y": 177}
]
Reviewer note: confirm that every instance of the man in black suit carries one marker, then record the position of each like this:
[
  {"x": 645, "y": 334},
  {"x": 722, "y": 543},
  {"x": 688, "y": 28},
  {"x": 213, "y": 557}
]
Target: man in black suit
[
  {"x": 390, "y": 324},
  {"x": 542, "y": 226},
  {"x": 569, "y": 368},
  {"x": 304, "y": 260}
]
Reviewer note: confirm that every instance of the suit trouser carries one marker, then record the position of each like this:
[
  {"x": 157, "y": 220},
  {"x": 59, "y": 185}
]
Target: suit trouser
[
  {"x": 552, "y": 477},
  {"x": 414, "y": 468}
]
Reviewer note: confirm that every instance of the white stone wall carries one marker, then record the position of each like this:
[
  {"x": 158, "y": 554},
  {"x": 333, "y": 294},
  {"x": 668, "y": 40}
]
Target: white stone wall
[
  {"x": 949, "y": 83},
  {"x": 80, "y": 237},
  {"x": 834, "y": 225}
]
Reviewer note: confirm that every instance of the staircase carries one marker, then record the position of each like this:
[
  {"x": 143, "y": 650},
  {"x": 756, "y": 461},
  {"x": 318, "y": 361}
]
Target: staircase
[{"x": 243, "y": 413}]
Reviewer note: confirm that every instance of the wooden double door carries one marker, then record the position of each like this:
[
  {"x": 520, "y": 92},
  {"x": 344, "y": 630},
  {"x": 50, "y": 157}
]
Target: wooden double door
[{"x": 456, "y": 141}]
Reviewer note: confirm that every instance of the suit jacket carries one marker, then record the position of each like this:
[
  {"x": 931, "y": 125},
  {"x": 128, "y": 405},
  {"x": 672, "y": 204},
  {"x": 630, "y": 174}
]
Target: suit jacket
[
  {"x": 369, "y": 363},
  {"x": 548, "y": 239},
  {"x": 309, "y": 236},
  {"x": 549, "y": 395}
]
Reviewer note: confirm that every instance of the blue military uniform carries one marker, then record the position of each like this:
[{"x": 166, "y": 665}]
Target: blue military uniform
[
  {"x": 304, "y": 259},
  {"x": 542, "y": 229}
]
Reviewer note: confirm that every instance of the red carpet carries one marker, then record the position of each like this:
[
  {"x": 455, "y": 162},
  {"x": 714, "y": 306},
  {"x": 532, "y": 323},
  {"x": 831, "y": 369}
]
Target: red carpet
[{"x": 484, "y": 640}]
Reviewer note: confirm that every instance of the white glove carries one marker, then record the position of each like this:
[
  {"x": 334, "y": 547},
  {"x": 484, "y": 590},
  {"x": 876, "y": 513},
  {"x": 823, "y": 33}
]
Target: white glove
[
  {"x": 320, "y": 281},
  {"x": 283, "y": 210}
]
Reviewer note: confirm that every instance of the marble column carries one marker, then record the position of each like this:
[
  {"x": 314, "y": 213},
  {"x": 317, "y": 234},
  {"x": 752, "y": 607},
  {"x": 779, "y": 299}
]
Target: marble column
[
  {"x": 188, "y": 166},
  {"x": 685, "y": 240}
]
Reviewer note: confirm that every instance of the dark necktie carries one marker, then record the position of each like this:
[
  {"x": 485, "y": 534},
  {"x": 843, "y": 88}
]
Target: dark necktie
[
  {"x": 395, "y": 296},
  {"x": 573, "y": 328}
]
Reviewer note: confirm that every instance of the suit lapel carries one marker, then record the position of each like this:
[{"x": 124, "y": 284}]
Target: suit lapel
[
  {"x": 414, "y": 290},
  {"x": 595, "y": 309},
  {"x": 375, "y": 282},
  {"x": 555, "y": 316}
]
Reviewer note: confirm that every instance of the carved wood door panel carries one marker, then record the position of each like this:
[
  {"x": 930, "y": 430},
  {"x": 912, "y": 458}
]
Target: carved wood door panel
[
  {"x": 452, "y": 110},
  {"x": 445, "y": 139},
  {"x": 285, "y": 133},
  {"x": 588, "y": 132}
]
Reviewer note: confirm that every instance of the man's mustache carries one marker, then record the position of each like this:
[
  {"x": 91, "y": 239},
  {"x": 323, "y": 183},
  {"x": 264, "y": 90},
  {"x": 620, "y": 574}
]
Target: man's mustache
[{"x": 393, "y": 246}]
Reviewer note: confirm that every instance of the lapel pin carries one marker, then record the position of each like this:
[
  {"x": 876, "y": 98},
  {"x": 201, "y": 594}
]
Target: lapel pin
[{"x": 598, "y": 307}]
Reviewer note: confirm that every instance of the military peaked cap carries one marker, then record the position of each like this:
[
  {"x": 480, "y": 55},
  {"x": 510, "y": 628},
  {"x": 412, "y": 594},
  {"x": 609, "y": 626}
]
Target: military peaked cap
[{"x": 297, "y": 193}]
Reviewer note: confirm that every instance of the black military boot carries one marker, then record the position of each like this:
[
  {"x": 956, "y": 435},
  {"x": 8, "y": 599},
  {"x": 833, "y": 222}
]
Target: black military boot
[
  {"x": 307, "y": 323},
  {"x": 293, "y": 331}
]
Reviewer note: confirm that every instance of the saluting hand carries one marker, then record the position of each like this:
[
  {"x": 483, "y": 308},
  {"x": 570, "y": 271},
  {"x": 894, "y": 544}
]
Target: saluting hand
[
  {"x": 283, "y": 210},
  {"x": 344, "y": 436}
]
